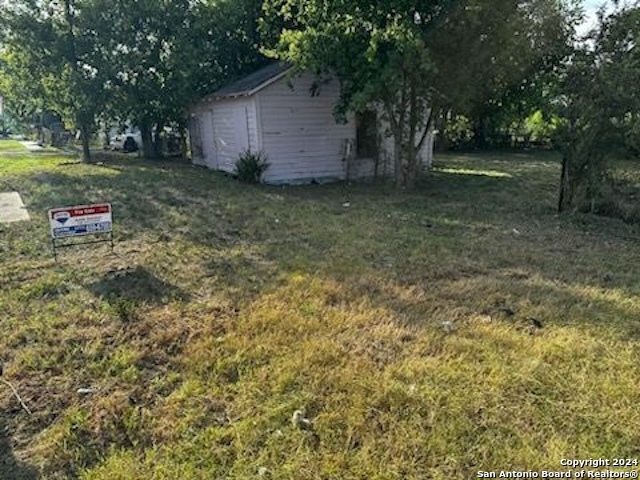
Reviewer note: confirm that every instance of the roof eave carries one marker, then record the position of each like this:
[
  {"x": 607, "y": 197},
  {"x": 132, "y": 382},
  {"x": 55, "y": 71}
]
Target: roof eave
[
  {"x": 270, "y": 81},
  {"x": 249, "y": 93}
]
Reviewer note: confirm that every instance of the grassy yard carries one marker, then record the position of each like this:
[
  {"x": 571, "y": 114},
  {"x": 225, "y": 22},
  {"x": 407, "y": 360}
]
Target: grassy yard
[
  {"x": 225, "y": 308},
  {"x": 11, "y": 146}
]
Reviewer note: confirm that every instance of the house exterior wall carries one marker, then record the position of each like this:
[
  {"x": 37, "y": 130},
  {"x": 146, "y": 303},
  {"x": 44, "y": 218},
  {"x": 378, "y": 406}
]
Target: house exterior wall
[
  {"x": 222, "y": 130},
  {"x": 195, "y": 139},
  {"x": 388, "y": 148},
  {"x": 208, "y": 143},
  {"x": 383, "y": 166},
  {"x": 299, "y": 133},
  {"x": 234, "y": 130}
]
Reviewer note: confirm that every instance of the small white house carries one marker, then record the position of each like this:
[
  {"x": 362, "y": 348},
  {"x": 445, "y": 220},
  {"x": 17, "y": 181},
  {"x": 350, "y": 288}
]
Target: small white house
[{"x": 290, "y": 119}]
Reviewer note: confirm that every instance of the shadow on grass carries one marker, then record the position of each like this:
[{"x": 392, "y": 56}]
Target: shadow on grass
[
  {"x": 10, "y": 467},
  {"x": 135, "y": 286},
  {"x": 444, "y": 252},
  {"x": 159, "y": 196},
  {"x": 144, "y": 196},
  {"x": 466, "y": 210}
]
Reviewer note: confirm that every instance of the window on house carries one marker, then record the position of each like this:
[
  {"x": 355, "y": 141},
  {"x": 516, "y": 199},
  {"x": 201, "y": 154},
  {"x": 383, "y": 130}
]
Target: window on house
[{"x": 366, "y": 134}]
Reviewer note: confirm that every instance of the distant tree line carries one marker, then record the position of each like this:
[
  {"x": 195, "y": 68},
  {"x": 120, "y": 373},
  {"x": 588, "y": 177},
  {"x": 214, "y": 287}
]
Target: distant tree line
[{"x": 146, "y": 61}]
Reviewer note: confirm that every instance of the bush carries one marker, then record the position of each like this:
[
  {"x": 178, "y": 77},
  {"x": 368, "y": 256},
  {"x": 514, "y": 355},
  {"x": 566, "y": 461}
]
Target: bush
[
  {"x": 457, "y": 133},
  {"x": 541, "y": 129},
  {"x": 250, "y": 166}
]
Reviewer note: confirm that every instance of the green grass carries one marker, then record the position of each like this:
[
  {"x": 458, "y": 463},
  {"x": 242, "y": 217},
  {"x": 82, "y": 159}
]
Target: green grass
[
  {"x": 227, "y": 307},
  {"x": 11, "y": 146}
]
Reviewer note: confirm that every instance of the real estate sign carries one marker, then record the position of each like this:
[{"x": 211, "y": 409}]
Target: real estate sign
[{"x": 79, "y": 221}]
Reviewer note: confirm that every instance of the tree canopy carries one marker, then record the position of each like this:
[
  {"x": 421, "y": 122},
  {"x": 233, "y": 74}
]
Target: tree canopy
[
  {"x": 599, "y": 107},
  {"x": 415, "y": 59},
  {"x": 48, "y": 48},
  {"x": 147, "y": 61},
  {"x": 138, "y": 61}
]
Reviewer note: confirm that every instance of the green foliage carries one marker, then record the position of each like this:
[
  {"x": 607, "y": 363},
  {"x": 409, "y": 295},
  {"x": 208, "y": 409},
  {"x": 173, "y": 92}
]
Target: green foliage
[
  {"x": 416, "y": 59},
  {"x": 582, "y": 137},
  {"x": 49, "y": 50},
  {"x": 378, "y": 52},
  {"x": 250, "y": 166},
  {"x": 164, "y": 56},
  {"x": 529, "y": 48},
  {"x": 458, "y": 132},
  {"x": 20, "y": 87},
  {"x": 139, "y": 61},
  {"x": 599, "y": 109},
  {"x": 539, "y": 128}
]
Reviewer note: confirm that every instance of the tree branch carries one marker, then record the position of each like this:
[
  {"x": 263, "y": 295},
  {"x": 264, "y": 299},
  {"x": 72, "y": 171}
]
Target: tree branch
[
  {"x": 15, "y": 392},
  {"x": 426, "y": 130}
]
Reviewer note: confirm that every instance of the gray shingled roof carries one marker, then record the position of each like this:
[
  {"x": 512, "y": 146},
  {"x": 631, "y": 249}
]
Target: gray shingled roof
[{"x": 247, "y": 85}]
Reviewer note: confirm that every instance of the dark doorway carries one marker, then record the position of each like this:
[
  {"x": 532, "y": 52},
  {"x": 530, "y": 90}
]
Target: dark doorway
[{"x": 367, "y": 134}]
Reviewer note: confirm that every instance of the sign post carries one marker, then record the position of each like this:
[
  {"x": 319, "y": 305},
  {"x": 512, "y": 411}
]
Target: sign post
[{"x": 80, "y": 221}]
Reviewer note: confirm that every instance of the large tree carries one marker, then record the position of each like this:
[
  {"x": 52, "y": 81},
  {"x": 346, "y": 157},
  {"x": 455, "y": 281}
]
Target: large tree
[
  {"x": 50, "y": 45},
  {"x": 138, "y": 44},
  {"x": 163, "y": 55},
  {"x": 599, "y": 107},
  {"x": 416, "y": 58},
  {"x": 20, "y": 85},
  {"x": 502, "y": 71},
  {"x": 138, "y": 61}
]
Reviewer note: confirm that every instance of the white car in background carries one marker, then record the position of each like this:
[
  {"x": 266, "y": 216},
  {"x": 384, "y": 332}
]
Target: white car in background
[{"x": 120, "y": 141}]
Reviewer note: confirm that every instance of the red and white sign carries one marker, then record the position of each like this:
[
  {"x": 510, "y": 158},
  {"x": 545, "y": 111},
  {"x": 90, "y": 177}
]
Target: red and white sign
[{"x": 81, "y": 220}]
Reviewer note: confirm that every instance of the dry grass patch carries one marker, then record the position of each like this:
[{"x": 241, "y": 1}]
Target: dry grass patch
[{"x": 429, "y": 334}]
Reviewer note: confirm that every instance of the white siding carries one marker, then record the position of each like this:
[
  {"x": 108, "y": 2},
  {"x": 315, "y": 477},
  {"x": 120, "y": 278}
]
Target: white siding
[
  {"x": 388, "y": 149},
  {"x": 206, "y": 130},
  {"x": 300, "y": 135},
  {"x": 224, "y": 135},
  {"x": 297, "y": 132},
  {"x": 201, "y": 131},
  {"x": 252, "y": 122},
  {"x": 227, "y": 128},
  {"x": 195, "y": 136}
]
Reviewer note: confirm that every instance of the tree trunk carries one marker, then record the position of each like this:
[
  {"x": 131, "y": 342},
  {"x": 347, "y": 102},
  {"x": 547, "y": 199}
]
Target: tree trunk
[
  {"x": 72, "y": 62},
  {"x": 412, "y": 165},
  {"x": 86, "y": 151},
  {"x": 564, "y": 197},
  {"x": 397, "y": 160},
  {"x": 405, "y": 156},
  {"x": 157, "y": 140},
  {"x": 183, "y": 144},
  {"x": 147, "y": 141},
  {"x": 480, "y": 132},
  {"x": 411, "y": 173}
]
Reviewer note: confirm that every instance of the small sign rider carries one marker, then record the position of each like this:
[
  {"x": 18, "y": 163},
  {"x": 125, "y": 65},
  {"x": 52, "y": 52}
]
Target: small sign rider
[{"x": 80, "y": 221}]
